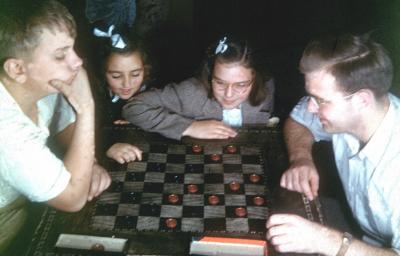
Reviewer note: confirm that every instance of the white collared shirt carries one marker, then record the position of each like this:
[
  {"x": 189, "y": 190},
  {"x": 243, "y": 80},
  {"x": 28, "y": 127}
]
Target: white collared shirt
[
  {"x": 370, "y": 176},
  {"x": 27, "y": 166}
]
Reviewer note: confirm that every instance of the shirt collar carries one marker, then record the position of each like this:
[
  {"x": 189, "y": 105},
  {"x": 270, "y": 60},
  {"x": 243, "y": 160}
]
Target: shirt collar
[
  {"x": 353, "y": 143},
  {"x": 9, "y": 104},
  {"x": 5, "y": 96},
  {"x": 381, "y": 137}
]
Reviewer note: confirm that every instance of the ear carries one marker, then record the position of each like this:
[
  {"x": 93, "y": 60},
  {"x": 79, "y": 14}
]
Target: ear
[
  {"x": 364, "y": 98},
  {"x": 15, "y": 69}
]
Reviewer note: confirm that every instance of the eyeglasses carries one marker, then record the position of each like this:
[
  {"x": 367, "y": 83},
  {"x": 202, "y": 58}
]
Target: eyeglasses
[
  {"x": 238, "y": 87},
  {"x": 320, "y": 102}
]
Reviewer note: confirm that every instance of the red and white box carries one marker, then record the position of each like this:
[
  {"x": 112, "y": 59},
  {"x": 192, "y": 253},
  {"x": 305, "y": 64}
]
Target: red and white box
[{"x": 223, "y": 246}]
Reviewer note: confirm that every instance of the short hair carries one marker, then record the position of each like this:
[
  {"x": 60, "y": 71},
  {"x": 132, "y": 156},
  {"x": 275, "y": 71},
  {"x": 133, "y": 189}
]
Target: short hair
[
  {"x": 356, "y": 62},
  {"x": 21, "y": 23},
  {"x": 237, "y": 51}
]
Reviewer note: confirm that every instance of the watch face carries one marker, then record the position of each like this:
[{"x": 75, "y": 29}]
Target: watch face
[{"x": 347, "y": 238}]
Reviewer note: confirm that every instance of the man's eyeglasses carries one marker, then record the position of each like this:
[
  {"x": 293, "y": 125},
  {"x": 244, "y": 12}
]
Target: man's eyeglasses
[
  {"x": 238, "y": 87},
  {"x": 320, "y": 102}
]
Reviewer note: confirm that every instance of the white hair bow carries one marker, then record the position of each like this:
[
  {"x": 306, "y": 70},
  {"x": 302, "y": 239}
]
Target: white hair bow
[
  {"x": 222, "y": 46},
  {"x": 116, "y": 39}
]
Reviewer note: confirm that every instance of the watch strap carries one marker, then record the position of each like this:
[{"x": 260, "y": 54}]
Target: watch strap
[{"x": 346, "y": 241}]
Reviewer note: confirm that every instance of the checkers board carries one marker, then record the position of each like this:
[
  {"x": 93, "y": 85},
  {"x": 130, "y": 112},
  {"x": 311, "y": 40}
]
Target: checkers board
[{"x": 218, "y": 189}]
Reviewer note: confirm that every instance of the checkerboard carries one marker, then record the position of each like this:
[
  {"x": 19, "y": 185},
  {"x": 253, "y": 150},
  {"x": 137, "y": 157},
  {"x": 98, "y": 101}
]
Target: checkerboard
[{"x": 139, "y": 197}]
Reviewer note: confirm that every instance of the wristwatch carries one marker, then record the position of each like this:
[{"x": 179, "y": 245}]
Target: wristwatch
[{"x": 346, "y": 241}]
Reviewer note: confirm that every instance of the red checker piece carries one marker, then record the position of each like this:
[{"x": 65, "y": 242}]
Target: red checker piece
[
  {"x": 258, "y": 200},
  {"x": 231, "y": 149},
  {"x": 197, "y": 148},
  {"x": 97, "y": 247},
  {"x": 171, "y": 222},
  {"x": 192, "y": 188},
  {"x": 215, "y": 157},
  {"x": 173, "y": 199},
  {"x": 240, "y": 212},
  {"x": 234, "y": 186},
  {"x": 213, "y": 199},
  {"x": 255, "y": 178}
]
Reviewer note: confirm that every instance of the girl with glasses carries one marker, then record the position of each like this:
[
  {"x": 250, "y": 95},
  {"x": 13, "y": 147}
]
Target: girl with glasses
[{"x": 231, "y": 90}]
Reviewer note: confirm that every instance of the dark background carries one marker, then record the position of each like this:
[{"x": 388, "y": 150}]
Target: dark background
[{"x": 281, "y": 29}]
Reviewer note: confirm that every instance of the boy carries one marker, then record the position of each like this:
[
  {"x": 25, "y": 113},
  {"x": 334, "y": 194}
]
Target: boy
[{"x": 40, "y": 73}]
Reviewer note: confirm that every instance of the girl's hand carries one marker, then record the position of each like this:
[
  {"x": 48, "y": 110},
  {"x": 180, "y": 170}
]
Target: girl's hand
[
  {"x": 124, "y": 153},
  {"x": 209, "y": 129}
]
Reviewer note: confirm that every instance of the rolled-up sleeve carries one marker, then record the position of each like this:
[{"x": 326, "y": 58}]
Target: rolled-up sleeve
[{"x": 309, "y": 120}]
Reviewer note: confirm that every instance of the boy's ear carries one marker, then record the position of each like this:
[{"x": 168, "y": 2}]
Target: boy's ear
[{"x": 15, "y": 69}]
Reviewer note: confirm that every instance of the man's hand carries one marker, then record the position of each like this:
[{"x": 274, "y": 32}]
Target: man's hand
[
  {"x": 124, "y": 153},
  {"x": 292, "y": 233},
  {"x": 302, "y": 176},
  {"x": 77, "y": 91},
  {"x": 101, "y": 180},
  {"x": 209, "y": 129}
]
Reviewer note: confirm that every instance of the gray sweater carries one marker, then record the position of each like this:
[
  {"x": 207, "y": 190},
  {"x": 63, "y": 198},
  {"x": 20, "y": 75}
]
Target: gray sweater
[{"x": 171, "y": 110}]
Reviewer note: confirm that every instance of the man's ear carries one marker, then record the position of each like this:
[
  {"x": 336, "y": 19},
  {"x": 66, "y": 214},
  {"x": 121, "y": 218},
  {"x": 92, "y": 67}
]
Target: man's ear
[
  {"x": 364, "y": 98},
  {"x": 15, "y": 69}
]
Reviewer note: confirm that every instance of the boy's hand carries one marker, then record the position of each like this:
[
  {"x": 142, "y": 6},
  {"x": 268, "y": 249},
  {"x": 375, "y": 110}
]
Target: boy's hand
[
  {"x": 124, "y": 153},
  {"x": 101, "y": 180},
  {"x": 77, "y": 92}
]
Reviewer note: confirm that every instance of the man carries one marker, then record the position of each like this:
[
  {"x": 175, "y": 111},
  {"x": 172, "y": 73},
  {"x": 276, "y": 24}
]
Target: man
[
  {"x": 39, "y": 66},
  {"x": 347, "y": 80}
]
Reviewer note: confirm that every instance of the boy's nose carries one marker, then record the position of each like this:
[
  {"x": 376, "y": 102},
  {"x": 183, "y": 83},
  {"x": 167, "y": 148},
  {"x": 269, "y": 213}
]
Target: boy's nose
[{"x": 76, "y": 61}]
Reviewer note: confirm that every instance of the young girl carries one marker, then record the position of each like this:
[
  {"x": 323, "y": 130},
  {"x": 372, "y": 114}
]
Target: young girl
[
  {"x": 126, "y": 70},
  {"x": 231, "y": 91}
]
